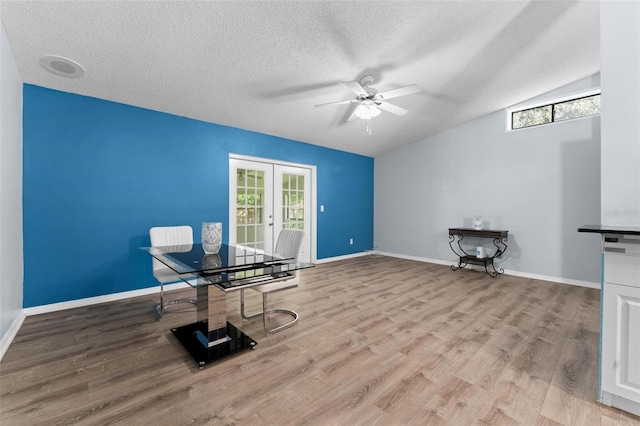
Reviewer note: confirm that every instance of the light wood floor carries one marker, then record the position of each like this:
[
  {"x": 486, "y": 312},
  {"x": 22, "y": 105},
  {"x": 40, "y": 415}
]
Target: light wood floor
[{"x": 380, "y": 341}]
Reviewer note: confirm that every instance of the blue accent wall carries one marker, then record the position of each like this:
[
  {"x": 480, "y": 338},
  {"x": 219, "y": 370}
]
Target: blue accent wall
[{"x": 99, "y": 174}]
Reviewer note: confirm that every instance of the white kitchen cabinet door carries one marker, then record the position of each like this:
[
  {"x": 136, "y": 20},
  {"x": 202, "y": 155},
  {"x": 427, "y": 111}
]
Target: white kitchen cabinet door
[{"x": 621, "y": 341}]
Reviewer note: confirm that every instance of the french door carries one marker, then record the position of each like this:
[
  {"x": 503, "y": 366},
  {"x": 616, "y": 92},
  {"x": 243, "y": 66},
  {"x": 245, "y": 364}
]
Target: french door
[{"x": 264, "y": 198}]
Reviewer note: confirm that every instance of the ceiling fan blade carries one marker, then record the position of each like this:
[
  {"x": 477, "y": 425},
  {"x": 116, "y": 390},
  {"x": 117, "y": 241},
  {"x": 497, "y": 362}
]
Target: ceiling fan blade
[
  {"x": 402, "y": 91},
  {"x": 393, "y": 109},
  {"x": 356, "y": 88},
  {"x": 350, "y": 101}
]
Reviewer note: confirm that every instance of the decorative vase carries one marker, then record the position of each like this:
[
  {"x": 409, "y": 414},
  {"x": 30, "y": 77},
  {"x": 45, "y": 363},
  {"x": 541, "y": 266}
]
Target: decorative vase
[
  {"x": 211, "y": 237},
  {"x": 477, "y": 222}
]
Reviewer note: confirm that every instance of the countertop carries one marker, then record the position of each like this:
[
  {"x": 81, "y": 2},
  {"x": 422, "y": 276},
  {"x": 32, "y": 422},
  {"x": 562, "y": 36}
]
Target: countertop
[{"x": 606, "y": 229}]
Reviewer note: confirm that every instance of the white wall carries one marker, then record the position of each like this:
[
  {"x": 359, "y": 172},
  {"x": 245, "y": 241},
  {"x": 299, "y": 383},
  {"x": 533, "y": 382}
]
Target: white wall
[
  {"x": 620, "y": 65},
  {"x": 540, "y": 184},
  {"x": 11, "y": 264}
]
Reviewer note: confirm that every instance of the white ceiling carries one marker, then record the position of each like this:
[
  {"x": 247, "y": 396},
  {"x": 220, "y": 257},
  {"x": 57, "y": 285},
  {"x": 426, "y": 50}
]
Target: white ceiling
[{"x": 262, "y": 66}]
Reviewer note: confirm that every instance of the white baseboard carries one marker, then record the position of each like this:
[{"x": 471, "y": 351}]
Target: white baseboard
[
  {"x": 506, "y": 271},
  {"x": 408, "y": 257},
  {"x": 43, "y": 309},
  {"x": 53, "y": 307},
  {"x": 11, "y": 333},
  {"x": 15, "y": 326},
  {"x": 152, "y": 290},
  {"x": 559, "y": 280},
  {"x": 617, "y": 401},
  {"x": 346, "y": 256}
]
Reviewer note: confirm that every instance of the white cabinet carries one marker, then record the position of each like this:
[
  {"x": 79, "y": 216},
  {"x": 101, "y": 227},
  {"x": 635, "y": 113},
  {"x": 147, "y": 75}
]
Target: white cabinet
[{"x": 620, "y": 339}]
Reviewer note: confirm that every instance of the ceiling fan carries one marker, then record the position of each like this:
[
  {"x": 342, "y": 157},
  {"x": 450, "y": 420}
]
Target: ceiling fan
[{"x": 371, "y": 101}]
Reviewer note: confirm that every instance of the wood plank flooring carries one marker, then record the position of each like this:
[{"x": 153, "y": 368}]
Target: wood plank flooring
[{"x": 380, "y": 341}]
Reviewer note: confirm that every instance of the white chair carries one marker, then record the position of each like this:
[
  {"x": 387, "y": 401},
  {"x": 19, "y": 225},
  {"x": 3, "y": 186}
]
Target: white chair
[
  {"x": 165, "y": 236},
  {"x": 289, "y": 245}
]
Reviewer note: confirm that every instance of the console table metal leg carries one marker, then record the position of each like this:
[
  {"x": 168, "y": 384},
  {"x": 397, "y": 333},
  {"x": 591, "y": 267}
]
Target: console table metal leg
[{"x": 493, "y": 273}]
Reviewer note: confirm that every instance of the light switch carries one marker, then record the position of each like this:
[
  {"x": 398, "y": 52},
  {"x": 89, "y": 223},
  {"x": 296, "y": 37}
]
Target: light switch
[{"x": 322, "y": 208}]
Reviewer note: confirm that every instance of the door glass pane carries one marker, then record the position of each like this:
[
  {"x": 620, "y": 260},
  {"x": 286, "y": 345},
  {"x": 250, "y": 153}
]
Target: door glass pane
[
  {"x": 259, "y": 197},
  {"x": 241, "y": 216},
  {"x": 250, "y": 211},
  {"x": 241, "y": 197},
  {"x": 240, "y": 237},
  {"x": 292, "y": 201},
  {"x": 260, "y": 234}
]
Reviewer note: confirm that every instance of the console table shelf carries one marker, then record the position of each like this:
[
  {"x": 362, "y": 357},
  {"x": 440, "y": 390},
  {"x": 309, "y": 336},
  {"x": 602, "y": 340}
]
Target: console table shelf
[{"x": 499, "y": 238}]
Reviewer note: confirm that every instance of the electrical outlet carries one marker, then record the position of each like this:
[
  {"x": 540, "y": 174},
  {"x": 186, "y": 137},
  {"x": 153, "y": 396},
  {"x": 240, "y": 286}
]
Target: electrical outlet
[{"x": 350, "y": 241}]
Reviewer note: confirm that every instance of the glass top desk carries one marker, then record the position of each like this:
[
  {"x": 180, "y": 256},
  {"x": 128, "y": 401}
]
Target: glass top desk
[{"x": 212, "y": 337}]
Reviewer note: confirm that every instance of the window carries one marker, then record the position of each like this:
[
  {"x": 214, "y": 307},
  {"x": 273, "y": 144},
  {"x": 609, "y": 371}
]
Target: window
[{"x": 568, "y": 108}]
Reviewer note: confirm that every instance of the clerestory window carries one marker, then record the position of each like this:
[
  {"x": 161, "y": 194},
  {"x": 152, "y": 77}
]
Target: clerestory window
[{"x": 568, "y": 108}]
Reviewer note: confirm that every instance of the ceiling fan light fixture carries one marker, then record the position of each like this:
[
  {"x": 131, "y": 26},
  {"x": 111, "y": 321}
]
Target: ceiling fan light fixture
[{"x": 367, "y": 110}]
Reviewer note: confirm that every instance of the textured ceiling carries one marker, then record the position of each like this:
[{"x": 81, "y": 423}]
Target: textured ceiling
[{"x": 262, "y": 66}]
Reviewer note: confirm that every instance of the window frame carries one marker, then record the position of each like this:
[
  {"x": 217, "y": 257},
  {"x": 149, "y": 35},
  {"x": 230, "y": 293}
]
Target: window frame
[{"x": 549, "y": 102}]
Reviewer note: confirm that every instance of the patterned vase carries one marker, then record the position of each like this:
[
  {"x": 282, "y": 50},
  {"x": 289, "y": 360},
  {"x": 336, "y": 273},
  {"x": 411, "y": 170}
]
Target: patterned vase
[{"x": 211, "y": 237}]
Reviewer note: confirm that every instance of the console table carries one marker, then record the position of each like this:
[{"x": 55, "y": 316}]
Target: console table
[{"x": 499, "y": 238}]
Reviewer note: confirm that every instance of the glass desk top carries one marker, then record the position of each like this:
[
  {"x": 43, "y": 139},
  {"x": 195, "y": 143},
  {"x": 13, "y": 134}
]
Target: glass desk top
[{"x": 232, "y": 268}]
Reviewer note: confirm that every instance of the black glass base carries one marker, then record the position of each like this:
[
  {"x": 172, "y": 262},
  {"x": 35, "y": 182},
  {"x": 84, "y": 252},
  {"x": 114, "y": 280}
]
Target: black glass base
[{"x": 188, "y": 336}]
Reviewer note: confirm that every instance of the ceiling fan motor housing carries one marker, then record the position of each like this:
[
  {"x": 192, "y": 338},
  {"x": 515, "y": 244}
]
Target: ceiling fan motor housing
[{"x": 366, "y": 80}]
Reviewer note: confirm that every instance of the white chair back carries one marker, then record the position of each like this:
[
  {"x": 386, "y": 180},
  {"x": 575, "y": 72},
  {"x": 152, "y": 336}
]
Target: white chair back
[
  {"x": 163, "y": 236},
  {"x": 289, "y": 243}
]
